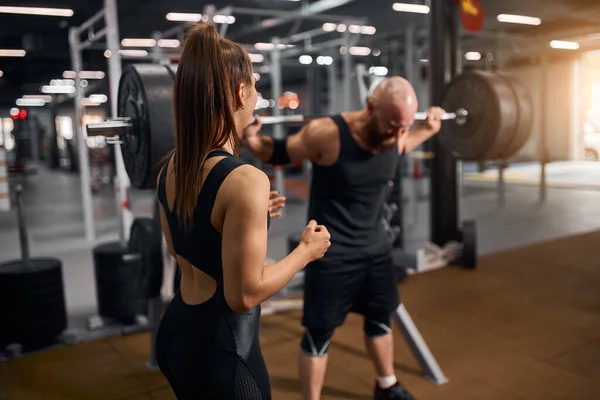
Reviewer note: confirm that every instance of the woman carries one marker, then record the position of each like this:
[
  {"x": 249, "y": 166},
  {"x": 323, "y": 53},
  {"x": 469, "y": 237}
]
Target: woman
[{"x": 214, "y": 214}]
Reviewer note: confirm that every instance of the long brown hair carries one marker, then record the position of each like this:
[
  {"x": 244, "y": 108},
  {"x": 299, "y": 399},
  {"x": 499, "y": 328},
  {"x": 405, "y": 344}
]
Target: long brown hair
[{"x": 209, "y": 72}]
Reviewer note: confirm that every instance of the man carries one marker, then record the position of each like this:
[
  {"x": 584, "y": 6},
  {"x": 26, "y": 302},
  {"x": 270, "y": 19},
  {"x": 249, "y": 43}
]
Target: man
[{"x": 354, "y": 158}]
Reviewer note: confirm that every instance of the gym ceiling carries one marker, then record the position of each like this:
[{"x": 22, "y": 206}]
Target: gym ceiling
[{"x": 46, "y": 38}]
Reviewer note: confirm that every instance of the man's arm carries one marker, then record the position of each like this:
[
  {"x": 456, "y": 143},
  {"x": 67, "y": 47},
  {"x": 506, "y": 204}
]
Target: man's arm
[
  {"x": 304, "y": 145},
  {"x": 417, "y": 136}
]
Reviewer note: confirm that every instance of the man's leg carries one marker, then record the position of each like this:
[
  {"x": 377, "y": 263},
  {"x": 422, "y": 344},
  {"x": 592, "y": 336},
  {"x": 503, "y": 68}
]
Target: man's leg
[
  {"x": 379, "y": 343},
  {"x": 378, "y": 300},
  {"x": 312, "y": 362}
]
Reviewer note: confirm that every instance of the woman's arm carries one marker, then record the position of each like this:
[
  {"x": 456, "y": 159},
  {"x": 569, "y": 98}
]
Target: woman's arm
[{"x": 247, "y": 281}]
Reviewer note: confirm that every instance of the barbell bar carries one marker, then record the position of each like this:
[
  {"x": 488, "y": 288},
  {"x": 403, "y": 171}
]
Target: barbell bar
[
  {"x": 492, "y": 119},
  {"x": 122, "y": 126}
]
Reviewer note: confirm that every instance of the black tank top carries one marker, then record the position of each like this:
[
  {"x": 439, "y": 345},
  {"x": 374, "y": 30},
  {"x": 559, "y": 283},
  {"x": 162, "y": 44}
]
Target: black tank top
[
  {"x": 348, "y": 196},
  {"x": 202, "y": 244}
]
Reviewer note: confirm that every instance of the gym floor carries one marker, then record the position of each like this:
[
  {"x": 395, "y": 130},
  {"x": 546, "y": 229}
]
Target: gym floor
[{"x": 523, "y": 326}]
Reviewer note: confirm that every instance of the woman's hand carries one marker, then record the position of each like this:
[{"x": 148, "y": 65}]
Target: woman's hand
[{"x": 275, "y": 204}]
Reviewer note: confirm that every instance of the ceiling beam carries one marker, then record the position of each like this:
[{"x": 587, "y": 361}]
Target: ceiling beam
[{"x": 304, "y": 12}]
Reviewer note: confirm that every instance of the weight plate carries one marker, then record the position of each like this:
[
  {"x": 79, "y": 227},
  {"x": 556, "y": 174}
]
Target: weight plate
[
  {"x": 32, "y": 302},
  {"x": 146, "y": 96},
  {"x": 469, "y": 239},
  {"x": 120, "y": 285},
  {"x": 145, "y": 239},
  {"x": 492, "y": 117},
  {"x": 525, "y": 116}
]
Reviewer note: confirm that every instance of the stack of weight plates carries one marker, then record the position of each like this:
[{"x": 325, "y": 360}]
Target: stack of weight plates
[{"x": 32, "y": 303}]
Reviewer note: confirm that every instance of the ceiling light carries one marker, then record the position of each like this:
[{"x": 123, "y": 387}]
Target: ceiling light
[
  {"x": 184, "y": 17},
  {"x": 170, "y": 43},
  {"x": 264, "y": 46},
  {"x": 58, "y": 89},
  {"x": 49, "y": 12},
  {"x": 133, "y": 53},
  {"x": 86, "y": 102},
  {"x": 12, "y": 53},
  {"x": 354, "y": 29},
  {"x": 256, "y": 76},
  {"x": 378, "y": 71},
  {"x": 138, "y": 42},
  {"x": 46, "y": 98},
  {"x": 518, "y": 19},
  {"x": 341, "y": 28},
  {"x": 473, "y": 56},
  {"x": 1, "y": 73},
  {"x": 564, "y": 45},
  {"x": 107, "y": 53},
  {"x": 359, "y": 51},
  {"x": 367, "y": 30},
  {"x": 256, "y": 58},
  {"x": 224, "y": 19},
  {"x": 411, "y": 8},
  {"x": 30, "y": 102},
  {"x": 305, "y": 59},
  {"x": 98, "y": 98},
  {"x": 324, "y": 60},
  {"x": 329, "y": 27}
]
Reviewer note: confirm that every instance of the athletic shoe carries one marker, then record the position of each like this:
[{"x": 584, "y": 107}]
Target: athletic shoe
[{"x": 395, "y": 392}]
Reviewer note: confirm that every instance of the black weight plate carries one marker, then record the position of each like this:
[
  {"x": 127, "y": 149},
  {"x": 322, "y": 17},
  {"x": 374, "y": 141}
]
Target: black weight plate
[
  {"x": 145, "y": 239},
  {"x": 120, "y": 282},
  {"x": 32, "y": 302},
  {"x": 146, "y": 96},
  {"x": 469, "y": 239},
  {"x": 492, "y": 115},
  {"x": 525, "y": 116}
]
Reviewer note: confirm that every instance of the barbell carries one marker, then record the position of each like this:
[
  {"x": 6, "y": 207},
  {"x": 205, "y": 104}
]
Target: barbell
[{"x": 492, "y": 119}]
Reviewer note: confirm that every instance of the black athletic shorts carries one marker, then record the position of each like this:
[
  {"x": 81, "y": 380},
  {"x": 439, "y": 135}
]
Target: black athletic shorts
[{"x": 362, "y": 282}]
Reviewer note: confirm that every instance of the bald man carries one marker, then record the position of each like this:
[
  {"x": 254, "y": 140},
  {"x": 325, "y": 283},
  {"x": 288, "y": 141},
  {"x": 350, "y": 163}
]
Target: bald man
[{"x": 354, "y": 156}]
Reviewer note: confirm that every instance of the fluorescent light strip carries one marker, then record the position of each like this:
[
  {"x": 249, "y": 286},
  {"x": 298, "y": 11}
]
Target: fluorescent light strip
[
  {"x": 360, "y": 51},
  {"x": 12, "y": 53},
  {"x": 184, "y": 17},
  {"x": 170, "y": 43},
  {"x": 411, "y": 8},
  {"x": 30, "y": 102},
  {"x": 256, "y": 58},
  {"x": 44, "y": 97},
  {"x": 305, "y": 59},
  {"x": 133, "y": 53},
  {"x": 518, "y": 19},
  {"x": 192, "y": 17},
  {"x": 48, "y": 12},
  {"x": 58, "y": 89},
  {"x": 473, "y": 56},
  {"x": 564, "y": 45},
  {"x": 138, "y": 42}
]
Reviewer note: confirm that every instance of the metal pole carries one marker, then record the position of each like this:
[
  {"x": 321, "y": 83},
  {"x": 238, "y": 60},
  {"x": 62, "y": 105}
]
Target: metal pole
[
  {"x": 23, "y": 240},
  {"x": 84, "y": 163},
  {"x": 157, "y": 52},
  {"x": 444, "y": 193},
  {"x": 543, "y": 151},
  {"x": 456, "y": 61},
  {"x": 347, "y": 74},
  {"x": 410, "y": 61},
  {"x": 332, "y": 84},
  {"x": 122, "y": 183},
  {"x": 276, "y": 92}
]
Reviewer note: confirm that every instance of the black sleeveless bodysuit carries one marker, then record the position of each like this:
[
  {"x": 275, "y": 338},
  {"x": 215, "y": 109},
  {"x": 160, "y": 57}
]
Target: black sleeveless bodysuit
[{"x": 208, "y": 351}]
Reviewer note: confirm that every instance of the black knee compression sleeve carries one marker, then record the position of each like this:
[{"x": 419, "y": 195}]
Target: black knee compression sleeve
[
  {"x": 377, "y": 327},
  {"x": 316, "y": 342},
  {"x": 280, "y": 154}
]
